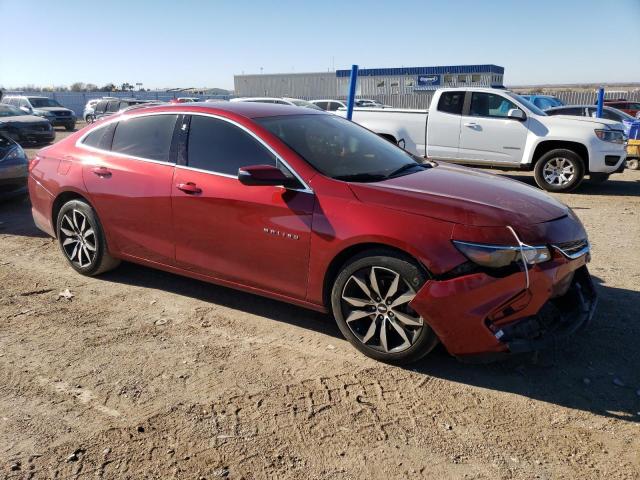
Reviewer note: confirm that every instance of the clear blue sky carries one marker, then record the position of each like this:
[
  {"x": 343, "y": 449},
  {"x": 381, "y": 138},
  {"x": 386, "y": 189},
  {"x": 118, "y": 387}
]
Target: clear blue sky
[{"x": 204, "y": 43}]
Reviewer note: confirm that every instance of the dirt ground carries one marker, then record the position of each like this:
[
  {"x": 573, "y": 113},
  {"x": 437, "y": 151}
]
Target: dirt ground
[{"x": 144, "y": 374}]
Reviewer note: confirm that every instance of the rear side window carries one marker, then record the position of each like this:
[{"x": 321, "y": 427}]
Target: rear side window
[
  {"x": 101, "y": 106},
  {"x": 451, "y": 102},
  {"x": 322, "y": 105},
  {"x": 100, "y": 137},
  {"x": 333, "y": 106},
  {"x": 113, "y": 106},
  {"x": 576, "y": 111},
  {"x": 221, "y": 147},
  {"x": 146, "y": 137}
]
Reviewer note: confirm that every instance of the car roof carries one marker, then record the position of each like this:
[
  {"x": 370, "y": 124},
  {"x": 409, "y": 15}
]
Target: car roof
[{"x": 244, "y": 109}]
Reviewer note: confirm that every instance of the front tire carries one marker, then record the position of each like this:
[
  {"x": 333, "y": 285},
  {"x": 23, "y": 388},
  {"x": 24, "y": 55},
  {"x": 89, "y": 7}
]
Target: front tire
[
  {"x": 559, "y": 170},
  {"x": 370, "y": 302},
  {"x": 82, "y": 239},
  {"x": 70, "y": 127},
  {"x": 633, "y": 164}
]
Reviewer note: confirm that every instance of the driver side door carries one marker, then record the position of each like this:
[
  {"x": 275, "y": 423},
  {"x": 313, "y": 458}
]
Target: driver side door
[{"x": 257, "y": 236}]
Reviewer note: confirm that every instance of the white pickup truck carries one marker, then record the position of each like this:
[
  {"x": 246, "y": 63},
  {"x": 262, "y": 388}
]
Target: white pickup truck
[{"x": 497, "y": 128}]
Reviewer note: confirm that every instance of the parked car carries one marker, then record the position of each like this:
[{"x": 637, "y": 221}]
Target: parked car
[
  {"x": 632, "y": 108},
  {"x": 13, "y": 168},
  {"x": 106, "y": 107},
  {"x": 543, "y": 101},
  {"x": 334, "y": 105},
  {"x": 329, "y": 105},
  {"x": 44, "y": 107},
  {"x": 278, "y": 101},
  {"x": 22, "y": 128},
  {"x": 322, "y": 213},
  {"x": 184, "y": 100},
  {"x": 609, "y": 113},
  {"x": 491, "y": 127},
  {"x": 89, "y": 108}
]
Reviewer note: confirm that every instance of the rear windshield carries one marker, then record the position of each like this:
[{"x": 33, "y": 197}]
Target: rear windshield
[{"x": 339, "y": 148}]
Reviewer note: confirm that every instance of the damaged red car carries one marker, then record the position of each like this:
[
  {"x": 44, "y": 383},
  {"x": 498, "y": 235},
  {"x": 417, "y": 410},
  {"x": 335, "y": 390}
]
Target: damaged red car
[{"x": 308, "y": 208}]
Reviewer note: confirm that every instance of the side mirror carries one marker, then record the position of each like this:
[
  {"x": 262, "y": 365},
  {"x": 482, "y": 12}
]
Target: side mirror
[
  {"x": 516, "y": 114},
  {"x": 265, "y": 175}
]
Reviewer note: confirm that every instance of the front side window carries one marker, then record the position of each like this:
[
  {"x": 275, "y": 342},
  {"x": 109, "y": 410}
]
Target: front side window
[
  {"x": 322, "y": 105},
  {"x": 451, "y": 102},
  {"x": 575, "y": 111},
  {"x": 146, "y": 137},
  {"x": 339, "y": 148},
  {"x": 101, "y": 106},
  {"x": 221, "y": 147},
  {"x": 333, "y": 106},
  {"x": 489, "y": 105}
]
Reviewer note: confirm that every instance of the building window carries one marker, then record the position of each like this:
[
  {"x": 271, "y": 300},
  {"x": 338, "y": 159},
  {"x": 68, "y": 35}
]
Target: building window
[
  {"x": 395, "y": 83},
  {"x": 408, "y": 82},
  {"x": 462, "y": 79},
  {"x": 380, "y": 84},
  {"x": 448, "y": 79},
  {"x": 476, "y": 78}
]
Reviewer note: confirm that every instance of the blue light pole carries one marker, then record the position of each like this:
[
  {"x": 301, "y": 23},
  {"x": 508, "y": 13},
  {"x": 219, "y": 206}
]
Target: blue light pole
[
  {"x": 600, "y": 102},
  {"x": 352, "y": 91}
]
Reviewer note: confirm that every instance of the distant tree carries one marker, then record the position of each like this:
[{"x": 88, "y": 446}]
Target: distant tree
[
  {"x": 109, "y": 87},
  {"x": 91, "y": 87},
  {"x": 77, "y": 87}
]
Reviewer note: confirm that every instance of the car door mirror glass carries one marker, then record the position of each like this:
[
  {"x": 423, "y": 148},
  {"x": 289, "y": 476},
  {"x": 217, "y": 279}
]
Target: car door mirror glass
[
  {"x": 516, "y": 114},
  {"x": 265, "y": 175}
]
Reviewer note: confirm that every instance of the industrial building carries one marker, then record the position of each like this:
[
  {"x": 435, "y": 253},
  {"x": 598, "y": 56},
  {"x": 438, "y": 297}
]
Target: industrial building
[{"x": 372, "y": 82}]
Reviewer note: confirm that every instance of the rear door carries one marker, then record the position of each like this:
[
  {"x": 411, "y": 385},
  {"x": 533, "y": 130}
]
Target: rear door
[
  {"x": 487, "y": 135},
  {"x": 128, "y": 174},
  {"x": 443, "y": 127},
  {"x": 255, "y": 236}
]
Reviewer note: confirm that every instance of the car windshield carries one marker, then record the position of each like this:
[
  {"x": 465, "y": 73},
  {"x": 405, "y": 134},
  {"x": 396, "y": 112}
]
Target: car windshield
[
  {"x": 526, "y": 103},
  {"x": 9, "y": 111},
  {"x": 43, "y": 102},
  {"x": 341, "y": 149}
]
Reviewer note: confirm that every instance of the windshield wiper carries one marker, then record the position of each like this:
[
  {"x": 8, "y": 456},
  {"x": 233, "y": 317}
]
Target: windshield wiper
[
  {"x": 362, "y": 177},
  {"x": 405, "y": 167}
]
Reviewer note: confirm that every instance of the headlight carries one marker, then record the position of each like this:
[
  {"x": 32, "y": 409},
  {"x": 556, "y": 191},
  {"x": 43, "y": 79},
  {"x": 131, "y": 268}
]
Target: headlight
[
  {"x": 496, "y": 256},
  {"x": 17, "y": 153},
  {"x": 43, "y": 113},
  {"x": 613, "y": 136}
]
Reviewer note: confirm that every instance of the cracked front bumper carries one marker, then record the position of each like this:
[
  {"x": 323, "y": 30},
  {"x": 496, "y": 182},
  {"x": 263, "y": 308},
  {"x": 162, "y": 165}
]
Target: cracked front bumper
[{"x": 477, "y": 315}]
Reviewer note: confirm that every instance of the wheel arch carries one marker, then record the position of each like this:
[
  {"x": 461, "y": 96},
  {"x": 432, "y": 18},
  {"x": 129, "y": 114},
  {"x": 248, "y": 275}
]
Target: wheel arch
[
  {"x": 547, "y": 145},
  {"x": 60, "y": 200},
  {"x": 342, "y": 257}
]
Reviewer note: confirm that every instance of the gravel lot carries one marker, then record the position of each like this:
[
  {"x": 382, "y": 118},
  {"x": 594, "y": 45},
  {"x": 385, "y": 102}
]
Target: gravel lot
[{"x": 143, "y": 374}]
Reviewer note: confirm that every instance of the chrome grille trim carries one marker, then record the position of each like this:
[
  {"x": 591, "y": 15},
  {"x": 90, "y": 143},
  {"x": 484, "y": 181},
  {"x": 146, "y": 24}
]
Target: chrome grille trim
[{"x": 573, "y": 250}]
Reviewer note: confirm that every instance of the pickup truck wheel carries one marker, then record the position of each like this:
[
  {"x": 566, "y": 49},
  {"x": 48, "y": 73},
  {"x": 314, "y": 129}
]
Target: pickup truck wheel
[
  {"x": 633, "y": 164},
  {"x": 370, "y": 301},
  {"x": 559, "y": 170}
]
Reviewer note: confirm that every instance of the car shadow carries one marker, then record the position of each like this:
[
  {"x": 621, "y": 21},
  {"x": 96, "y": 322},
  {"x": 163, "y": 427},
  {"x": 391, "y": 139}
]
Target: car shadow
[
  {"x": 15, "y": 217},
  {"x": 594, "y": 371},
  {"x": 612, "y": 187}
]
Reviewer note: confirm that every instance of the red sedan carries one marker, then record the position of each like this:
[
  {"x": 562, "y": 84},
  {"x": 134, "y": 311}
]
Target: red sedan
[
  {"x": 632, "y": 108},
  {"x": 311, "y": 209}
]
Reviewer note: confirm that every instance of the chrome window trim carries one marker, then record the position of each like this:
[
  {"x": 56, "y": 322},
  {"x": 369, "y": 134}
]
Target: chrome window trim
[{"x": 118, "y": 118}]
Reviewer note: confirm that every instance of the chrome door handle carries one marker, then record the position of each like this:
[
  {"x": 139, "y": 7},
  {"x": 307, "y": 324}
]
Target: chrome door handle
[
  {"x": 189, "y": 187},
  {"x": 101, "y": 171}
]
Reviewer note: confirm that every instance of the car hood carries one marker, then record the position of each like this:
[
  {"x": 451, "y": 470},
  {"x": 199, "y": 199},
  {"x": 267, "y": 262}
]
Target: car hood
[
  {"x": 570, "y": 120},
  {"x": 53, "y": 109},
  {"x": 463, "y": 195},
  {"x": 22, "y": 119}
]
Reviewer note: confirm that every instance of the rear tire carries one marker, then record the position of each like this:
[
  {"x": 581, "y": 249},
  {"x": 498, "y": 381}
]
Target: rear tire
[
  {"x": 559, "y": 170},
  {"x": 364, "y": 307},
  {"x": 70, "y": 128},
  {"x": 82, "y": 239}
]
